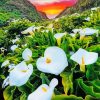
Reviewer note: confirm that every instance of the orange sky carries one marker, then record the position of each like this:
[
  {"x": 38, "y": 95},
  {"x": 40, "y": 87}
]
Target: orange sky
[{"x": 52, "y": 9}]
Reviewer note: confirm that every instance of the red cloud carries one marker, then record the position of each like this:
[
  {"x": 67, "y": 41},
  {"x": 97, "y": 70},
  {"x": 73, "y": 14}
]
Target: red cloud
[{"x": 53, "y": 9}]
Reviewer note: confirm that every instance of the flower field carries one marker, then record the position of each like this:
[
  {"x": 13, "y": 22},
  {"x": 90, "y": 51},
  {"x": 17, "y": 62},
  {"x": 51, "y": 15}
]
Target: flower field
[{"x": 56, "y": 59}]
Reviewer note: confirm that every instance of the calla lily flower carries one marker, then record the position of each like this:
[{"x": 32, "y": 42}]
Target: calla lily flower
[
  {"x": 19, "y": 75},
  {"x": 13, "y": 47},
  {"x": 83, "y": 57},
  {"x": 44, "y": 92},
  {"x": 27, "y": 54},
  {"x": 54, "y": 61},
  {"x": 15, "y": 40},
  {"x": 58, "y": 37},
  {"x": 87, "y": 19},
  {"x": 28, "y": 30},
  {"x": 31, "y": 30},
  {"x": 76, "y": 30},
  {"x": 87, "y": 31},
  {"x": 6, "y": 62},
  {"x": 94, "y": 9},
  {"x": 72, "y": 34}
]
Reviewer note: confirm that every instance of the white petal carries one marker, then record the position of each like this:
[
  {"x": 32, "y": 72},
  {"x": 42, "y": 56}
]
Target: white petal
[
  {"x": 89, "y": 57},
  {"x": 59, "y": 35},
  {"x": 95, "y": 8},
  {"x": 44, "y": 92},
  {"x": 53, "y": 83},
  {"x": 5, "y": 63},
  {"x": 15, "y": 40},
  {"x": 58, "y": 61},
  {"x": 27, "y": 54},
  {"x": 13, "y": 47},
  {"x": 76, "y": 30},
  {"x": 20, "y": 74},
  {"x": 6, "y": 82},
  {"x": 39, "y": 94},
  {"x": 30, "y": 29},
  {"x": 72, "y": 34},
  {"x": 87, "y": 19},
  {"x": 88, "y": 31}
]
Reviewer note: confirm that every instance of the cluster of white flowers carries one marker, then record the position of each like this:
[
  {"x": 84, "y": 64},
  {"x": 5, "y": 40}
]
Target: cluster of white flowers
[
  {"x": 84, "y": 32},
  {"x": 53, "y": 62}
]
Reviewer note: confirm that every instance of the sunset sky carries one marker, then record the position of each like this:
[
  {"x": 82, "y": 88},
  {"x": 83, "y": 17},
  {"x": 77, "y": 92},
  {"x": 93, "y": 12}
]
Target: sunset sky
[{"x": 52, "y": 8}]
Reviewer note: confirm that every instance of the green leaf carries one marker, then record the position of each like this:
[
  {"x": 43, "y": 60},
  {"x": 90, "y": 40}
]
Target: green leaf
[
  {"x": 8, "y": 93},
  {"x": 23, "y": 97},
  {"x": 90, "y": 73},
  {"x": 88, "y": 97},
  {"x": 44, "y": 79},
  {"x": 67, "y": 81},
  {"x": 90, "y": 90},
  {"x": 65, "y": 97}
]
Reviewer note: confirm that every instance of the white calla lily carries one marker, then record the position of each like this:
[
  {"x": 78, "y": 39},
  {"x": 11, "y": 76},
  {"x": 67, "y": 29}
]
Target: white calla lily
[
  {"x": 94, "y": 9},
  {"x": 58, "y": 37},
  {"x": 54, "y": 61},
  {"x": 72, "y": 34},
  {"x": 27, "y": 54},
  {"x": 44, "y": 92},
  {"x": 28, "y": 30},
  {"x": 14, "y": 47},
  {"x": 76, "y": 30},
  {"x": 87, "y": 31},
  {"x": 87, "y": 19},
  {"x": 6, "y": 62},
  {"x": 15, "y": 40},
  {"x": 83, "y": 57},
  {"x": 19, "y": 75}
]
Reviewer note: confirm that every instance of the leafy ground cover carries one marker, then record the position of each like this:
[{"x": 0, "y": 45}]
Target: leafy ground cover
[{"x": 66, "y": 75}]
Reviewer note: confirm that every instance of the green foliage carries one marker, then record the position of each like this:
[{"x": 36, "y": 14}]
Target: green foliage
[
  {"x": 64, "y": 97},
  {"x": 11, "y": 9},
  {"x": 8, "y": 93},
  {"x": 73, "y": 84},
  {"x": 93, "y": 87}
]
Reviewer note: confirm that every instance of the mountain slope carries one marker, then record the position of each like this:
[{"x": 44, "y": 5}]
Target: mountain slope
[
  {"x": 80, "y": 6},
  {"x": 13, "y": 9}
]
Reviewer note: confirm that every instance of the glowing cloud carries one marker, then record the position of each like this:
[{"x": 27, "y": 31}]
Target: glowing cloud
[{"x": 52, "y": 8}]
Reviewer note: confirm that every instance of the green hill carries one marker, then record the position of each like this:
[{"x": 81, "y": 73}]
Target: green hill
[
  {"x": 14, "y": 9},
  {"x": 80, "y": 6}
]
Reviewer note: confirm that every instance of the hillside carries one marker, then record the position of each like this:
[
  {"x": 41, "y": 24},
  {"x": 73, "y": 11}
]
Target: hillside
[
  {"x": 80, "y": 6},
  {"x": 13, "y": 9}
]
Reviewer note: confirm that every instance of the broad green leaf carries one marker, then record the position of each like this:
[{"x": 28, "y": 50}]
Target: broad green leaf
[
  {"x": 66, "y": 97},
  {"x": 44, "y": 79},
  {"x": 88, "y": 97},
  {"x": 90, "y": 73},
  {"x": 8, "y": 93},
  {"x": 23, "y": 97},
  {"x": 89, "y": 90},
  {"x": 67, "y": 82}
]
